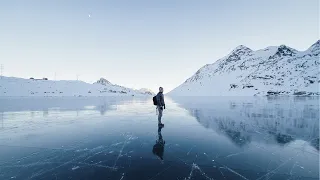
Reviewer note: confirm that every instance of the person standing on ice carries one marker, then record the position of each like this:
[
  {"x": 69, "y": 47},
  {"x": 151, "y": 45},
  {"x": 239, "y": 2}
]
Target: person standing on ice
[{"x": 160, "y": 105}]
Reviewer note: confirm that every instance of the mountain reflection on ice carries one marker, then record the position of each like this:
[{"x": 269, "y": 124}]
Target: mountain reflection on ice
[
  {"x": 119, "y": 138},
  {"x": 250, "y": 119}
]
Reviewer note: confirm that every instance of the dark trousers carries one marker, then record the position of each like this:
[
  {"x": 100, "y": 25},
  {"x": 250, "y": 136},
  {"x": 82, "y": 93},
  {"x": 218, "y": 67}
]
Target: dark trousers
[{"x": 160, "y": 110}]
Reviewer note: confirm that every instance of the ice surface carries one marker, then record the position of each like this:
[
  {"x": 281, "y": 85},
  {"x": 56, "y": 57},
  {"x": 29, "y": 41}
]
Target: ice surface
[{"x": 203, "y": 138}]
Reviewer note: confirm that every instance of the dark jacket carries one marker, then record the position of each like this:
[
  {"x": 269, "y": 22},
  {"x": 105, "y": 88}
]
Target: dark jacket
[{"x": 160, "y": 99}]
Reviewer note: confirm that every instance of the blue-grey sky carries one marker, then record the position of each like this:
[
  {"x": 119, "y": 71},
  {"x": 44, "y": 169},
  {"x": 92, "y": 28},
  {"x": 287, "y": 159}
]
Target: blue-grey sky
[{"x": 143, "y": 43}]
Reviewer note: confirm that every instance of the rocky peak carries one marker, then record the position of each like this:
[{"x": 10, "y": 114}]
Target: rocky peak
[
  {"x": 240, "y": 50},
  {"x": 315, "y": 48},
  {"x": 316, "y": 44},
  {"x": 236, "y": 54},
  {"x": 146, "y": 91},
  {"x": 284, "y": 50},
  {"x": 103, "y": 81}
]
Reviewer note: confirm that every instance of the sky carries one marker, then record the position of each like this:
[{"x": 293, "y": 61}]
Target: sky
[{"x": 143, "y": 43}]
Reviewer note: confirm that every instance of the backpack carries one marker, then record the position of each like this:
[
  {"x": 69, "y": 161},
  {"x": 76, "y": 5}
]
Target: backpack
[{"x": 155, "y": 102}]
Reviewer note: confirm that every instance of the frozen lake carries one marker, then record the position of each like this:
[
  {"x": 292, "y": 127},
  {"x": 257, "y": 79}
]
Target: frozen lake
[{"x": 119, "y": 139}]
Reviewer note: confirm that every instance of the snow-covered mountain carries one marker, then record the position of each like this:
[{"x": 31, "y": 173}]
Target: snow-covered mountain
[
  {"x": 146, "y": 91},
  {"x": 244, "y": 72},
  {"x": 11, "y": 86}
]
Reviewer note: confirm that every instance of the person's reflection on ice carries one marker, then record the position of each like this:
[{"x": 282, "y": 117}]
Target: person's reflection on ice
[{"x": 158, "y": 148}]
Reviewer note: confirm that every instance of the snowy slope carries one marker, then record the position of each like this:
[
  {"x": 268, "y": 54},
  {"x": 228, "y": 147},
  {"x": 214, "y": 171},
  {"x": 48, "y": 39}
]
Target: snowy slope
[
  {"x": 11, "y": 86},
  {"x": 244, "y": 72}
]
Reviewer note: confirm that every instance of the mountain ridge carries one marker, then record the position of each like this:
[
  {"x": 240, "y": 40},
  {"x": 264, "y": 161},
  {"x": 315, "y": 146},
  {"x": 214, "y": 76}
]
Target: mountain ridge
[
  {"x": 20, "y": 87},
  {"x": 276, "y": 67}
]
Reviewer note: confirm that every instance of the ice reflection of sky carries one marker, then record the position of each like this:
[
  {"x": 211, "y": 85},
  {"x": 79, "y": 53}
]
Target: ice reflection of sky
[{"x": 211, "y": 138}]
